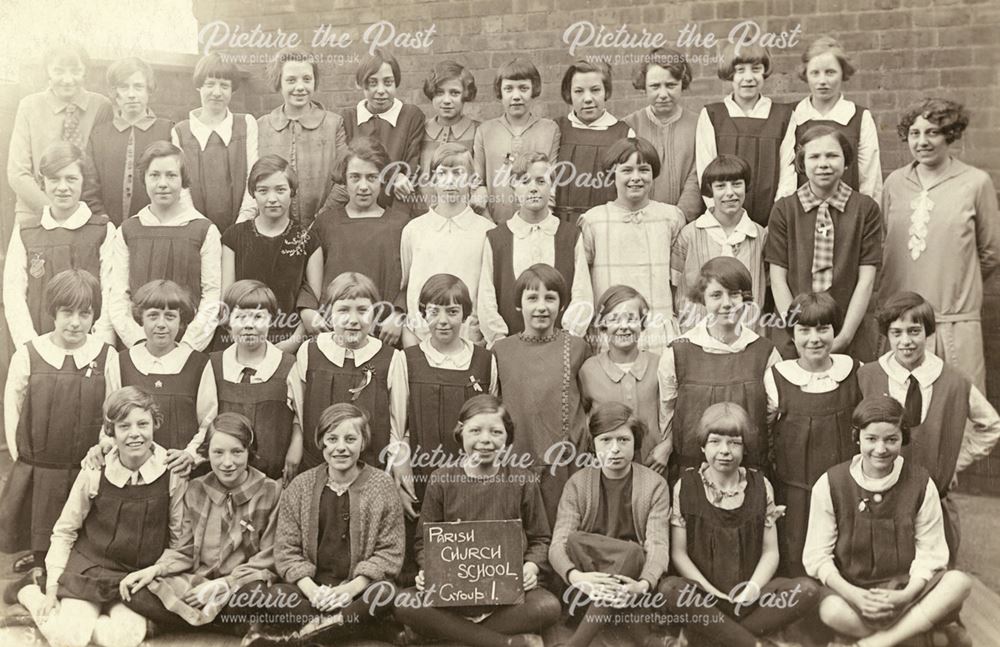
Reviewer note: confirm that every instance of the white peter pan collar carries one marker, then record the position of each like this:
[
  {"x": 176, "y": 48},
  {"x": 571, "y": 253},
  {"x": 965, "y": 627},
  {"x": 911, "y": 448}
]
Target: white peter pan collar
[
  {"x": 791, "y": 371},
  {"x": 55, "y": 355},
  {"x": 77, "y": 219},
  {"x": 232, "y": 370},
  {"x": 337, "y": 353}
]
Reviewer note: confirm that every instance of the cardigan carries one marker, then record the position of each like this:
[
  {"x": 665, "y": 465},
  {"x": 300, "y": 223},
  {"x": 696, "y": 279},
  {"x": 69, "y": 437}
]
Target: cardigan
[
  {"x": 578, "y": 507},
  {"x": 376, "y": 526}
]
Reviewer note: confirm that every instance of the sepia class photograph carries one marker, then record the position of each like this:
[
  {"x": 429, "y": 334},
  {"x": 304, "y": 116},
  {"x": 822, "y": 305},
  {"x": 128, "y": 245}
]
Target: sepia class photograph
[{"x": 499, "y": 323}]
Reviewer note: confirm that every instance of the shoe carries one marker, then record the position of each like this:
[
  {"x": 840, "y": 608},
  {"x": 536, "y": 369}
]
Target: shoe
[
  {"x": 17, "y": 619},
  {"x": 320, "y": 624},
  {"x": 24, "y": 563},
  {"x": 34, "y": 576},
  {"x": 259, "y": 636}
]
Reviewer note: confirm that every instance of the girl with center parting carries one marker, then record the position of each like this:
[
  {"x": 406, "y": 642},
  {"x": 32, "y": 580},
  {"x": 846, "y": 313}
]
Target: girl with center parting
[
  {"x": 340, "y": 539},
  {"x": 111, "y": 185},
  {"x": 826, "y": 237},
  {"x": 725, "y": 229},
  {"x": 274, "y": 249},
  {"x": 55, "y": 388},
  {"x": 610, "y": 538},
  {"x": 539, "y": 375},
  {"x": 224, "y": 559},
  {"x": 584, "y": 136},
  {"x": 362, "y": 236},
  {"x": 220, "y": 147},
  {"x": 625, "y": 373},
  {"x": 485, "y": 487},
  {"x": 117, "y": 520},
  {"x": 518, "y": 131},
  {"x": 751, "y": 126},
  {"x": 876, "y": 541},
  {"x": 301, "y": 131},
  {"x": 627, "y": 240},
  {"x": 809, "y": 405},
  {"x": 825, "y": 68},
  {"x": 663, "y": 76},
  {"x": 724, "y": 544},
  {"x": 66, "y": 236},
  {"x": 720, "y": 359},
  {"x": 398, "y": 126}
]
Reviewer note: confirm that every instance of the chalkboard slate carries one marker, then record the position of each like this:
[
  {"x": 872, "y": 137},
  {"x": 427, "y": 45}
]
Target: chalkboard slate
[{"x": 473, "y": 563}]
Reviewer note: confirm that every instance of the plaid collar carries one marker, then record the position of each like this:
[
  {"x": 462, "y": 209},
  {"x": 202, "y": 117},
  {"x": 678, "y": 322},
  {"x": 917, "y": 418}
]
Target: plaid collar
[{"x": 838, "y": 200}]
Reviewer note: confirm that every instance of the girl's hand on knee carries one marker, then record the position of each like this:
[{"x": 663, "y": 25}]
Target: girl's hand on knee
[
  {"x": 136, "y": 581},
  {"x": 49, "y": 607},
  {"x": 419, "y": 580},
  {"x": 529, "y": 573}
]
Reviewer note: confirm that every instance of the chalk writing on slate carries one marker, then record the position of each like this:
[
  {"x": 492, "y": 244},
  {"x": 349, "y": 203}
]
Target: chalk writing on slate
[{"x": 473, "y": 563}]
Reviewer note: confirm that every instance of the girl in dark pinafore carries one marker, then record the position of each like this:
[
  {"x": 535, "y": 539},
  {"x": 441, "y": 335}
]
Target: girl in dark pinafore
[
  {"x": 809, "y": 405},
  {"x": 723, "y": 542},
  {"x": 116, "y": 520},
  {"x": 52, "y": 414}
]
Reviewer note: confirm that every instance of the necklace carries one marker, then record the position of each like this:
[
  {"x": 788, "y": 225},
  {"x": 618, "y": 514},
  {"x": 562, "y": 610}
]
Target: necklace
[{"x": 534, "y": 339}]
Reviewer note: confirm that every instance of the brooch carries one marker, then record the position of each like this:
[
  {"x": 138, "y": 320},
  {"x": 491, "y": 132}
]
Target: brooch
[
  {"x": 366, "y": 379},
  {"x": 475, "y": 384},
  {"x": 866, "y": 502}
]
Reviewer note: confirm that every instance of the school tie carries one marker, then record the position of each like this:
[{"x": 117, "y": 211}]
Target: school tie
[
  {"x": 129, "y": 174},
  {"x": 822, "y": 267},
  {"x": 71, "y": 125},
  {"x": 247, "y": 374},
  {"x": 914, "y": 404}
]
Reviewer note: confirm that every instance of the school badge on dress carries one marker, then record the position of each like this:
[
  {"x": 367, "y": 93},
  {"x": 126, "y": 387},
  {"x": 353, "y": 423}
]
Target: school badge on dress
[{"x": 37, "y": 266}]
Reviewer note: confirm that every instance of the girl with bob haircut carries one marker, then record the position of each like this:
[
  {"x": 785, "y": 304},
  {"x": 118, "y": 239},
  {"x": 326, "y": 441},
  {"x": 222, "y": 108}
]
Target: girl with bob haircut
[
  {"x": 720, "y": 359},
  {"x": 825, "y": 67},
  {"x": 219, "y": 164},
  {"x": 398, "y": 126},
  {"x": 627, "y": 240},
  {"x": 809, "y": 406},
  {"x": 226, "y": 550},
  {"x": 893, "y": 584},
  {"x": 484, "y": 486},
  {"x": 115, "y": 144},
  {"x": 52, "y": 415},
  {"x": 725, "y": 229},
  {"x": 752, "y": 126},
  {"x": 662, "y": 77},
  {"x": 169, "y": 239},
  {"x": 827, "y": 237},
  {"x": 584, "y": 135},
  {"x": 516, "y": 85},
  {"x": 362, "y": 236},
  {"x": 538, "y": 367},
  {"x": 625, "y": 373},
  {"x": 340, "y": 534},
  {"x": 67, "y": 236},
  {"x": 274, "y": 249},
  {"x": 723, "y": 541},
  {"x": 942, "y": 232},
  {"x": 303, "y": 132},
  {"x": 610, "y": 537},
  {"x": 117, "y": 520}
]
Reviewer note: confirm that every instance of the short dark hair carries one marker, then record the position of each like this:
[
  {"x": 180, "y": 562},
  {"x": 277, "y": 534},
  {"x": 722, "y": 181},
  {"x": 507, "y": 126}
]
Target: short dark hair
[
  {"x": 519, "y": 69},
  {"x": 232, "y": 424},
  {"x": 904, "y": 304},
  {"x": 163, "y": 148},
  {"x": 214, "y": 66},
  {"x": 277, "y": 66},
  {"x": 669, "y": 59},
  {"x": 611, "y": 415},
  {"x": 363, "y": 148},
  {"x": 731, "y": 274},
  {"x": 249, "y": 294},
  {"x": 950, "y": 117},
  {"x": 813, "y": 309},
  {"x": 736, "y": 54},
  {"x": 582, "y": 66},
  {"x": 725, "y": 168},
  {"x": 445, "y": 290},
  {"x": 165, "y": 295},
  {"x": 541, "y": 275},
  {"x": 484, "y": 403},
  {"x": 450, "y": 71},
  {"x": 813, "y": 133},
  {"x": 126, "y": 67},
  {"x": 371, "y": 64},
  {"x": 74, "y": 289},
  {"x": 335, "y": 415},
  {"x": 724, "y": 419},
  {"x": 879, "y": 408},
  {"x": 269, "y": 165},
  {"x": 621, "y": 150}
]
